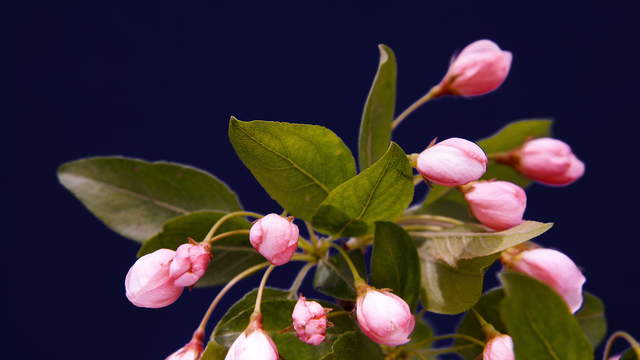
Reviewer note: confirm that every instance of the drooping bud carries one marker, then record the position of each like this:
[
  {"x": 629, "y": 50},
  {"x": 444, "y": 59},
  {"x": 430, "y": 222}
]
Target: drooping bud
[
  {"x": 499, "y": 348},
  {"x": 148, "y": 282},
  {"x": 275, "y": 237},
  {"x": 481, "y": 67},
  {"x": 551, "y": 267},
  {"x": 191, "y": 351},
  {"x": 310, "y": 321},
  {"x": 549, "y": 161},
  {"x": 254, "y": 343},
  {"x": 499, "y": 205},
  {"x": 190, "y": 263},
  {"x": 384, "y": 317},
  {"x": 452, "y": 162}
]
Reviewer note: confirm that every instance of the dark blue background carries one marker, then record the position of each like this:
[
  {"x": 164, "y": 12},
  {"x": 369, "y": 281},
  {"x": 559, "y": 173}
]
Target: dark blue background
[{"x": 159, "y": 81}]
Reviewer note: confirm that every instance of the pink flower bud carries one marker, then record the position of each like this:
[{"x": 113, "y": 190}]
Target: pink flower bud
[
  {"x": 275, "y": 237},
  {"x": 499, "y": 348},
  {"x": 452, "y": 162},
  {"x": 481, "y": 67},
  {"x": 190, "y": 263},
  {"x": 553, "y": 268},
  {"x": 253, "y": 344},
  {"x": 497, "y": 204},
  {"x": 310, "y": 321},
  {"x": 549, "y": 161},
  {"x": 384, "y": 317},
  {"x": 191, "y": 351},
  {"x": 148, "y": 282}
]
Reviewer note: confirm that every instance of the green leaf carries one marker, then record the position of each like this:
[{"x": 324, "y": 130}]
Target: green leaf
[
  {"x": 297, "y": 164},
  {"x": 375, "y": 126},
  {"x": 214, "y": 351},
  {"x": 452, "y": 290},
  {"x": 630, "y": 354},
  {"x": 421, "y": 332},
  {"x": 489, "y": 308},
  {"x": 540, "y": 323},
  {"x": 592, "y": 319},
  {"x": 394, "y": 262},
  {"x": 334, "y": 278},
  {"x": 447, "y": 201},
  {"x": 459, "y": 243},
  {"x": 381, "y": 192},
  {"x": 354, "y": 346},
  {"x": 277, "y": 310},
  {"x": 135, "y": 197},
  {"x": 231, "y": 255}
]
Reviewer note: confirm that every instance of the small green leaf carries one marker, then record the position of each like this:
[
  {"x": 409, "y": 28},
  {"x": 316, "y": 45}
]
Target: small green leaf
[
  {"x": 489, "y": 308},
  {"x": 447, "y": 201},
  {"x": 379, "y": 193},
  {"x": 297, "y": 164},
  {"x": 334, "y": 278},
  {"x": 452, "y": 290},
  {"x": 456, "y": 244},
  {"x": 135, "y": 197},
  {"x": 419, "y": 338},
  {"x": 540, "y": 323},
  {"x": 354, "y": 345},
  {"x": 214, "y": 351},
  {"x": 592, "y": 319},
  {"x": 394, "y": 262},
  {"x": 231, "y": 255},
  {"x": 375, "y": 126}
]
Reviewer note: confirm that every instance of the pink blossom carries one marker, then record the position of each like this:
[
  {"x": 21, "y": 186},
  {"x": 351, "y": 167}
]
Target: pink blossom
[
  {"x": 253, "y": 344},
  {"x": 275, "y": 237},
  {"x": 499, "y": 348},
  {"x": 190, "y": 263},
  {"x": 148, "y": 282},
  {"x": 310, "y": 321},
  {"x": 191, "y": 351},
  {"x": 553, "y": 268},
  {"x": 549, "y": 161},
  {"x": 499, "y": 205},
  {"x": 384, "y": 317},
  {"x": 481, "y": 67},
  {"x": 452, "y": 162}
]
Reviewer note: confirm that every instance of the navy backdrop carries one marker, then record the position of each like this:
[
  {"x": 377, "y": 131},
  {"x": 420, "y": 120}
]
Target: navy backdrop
[{"x": 159, "y": 81}]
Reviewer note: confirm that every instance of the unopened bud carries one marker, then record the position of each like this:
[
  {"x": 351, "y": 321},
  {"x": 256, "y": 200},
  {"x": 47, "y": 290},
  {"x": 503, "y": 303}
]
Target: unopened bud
[
  {"x": 191, "y": 351},
  {"x": 384, "y": 317},
  {"x": 452, "y": 162},
  {"x": 310, "y": 321},
  {"x": 275, "y": 237},
  {"x": 190, "y": 263},
  {"x": 148, "y": 282},
  {"x": 254, "y": 343},
  {"x": 499, "y": 348},
  {"x": 549, "y": 161},
  {"x": 481, "y": 67},
  {"x": 499, "y": 205}
]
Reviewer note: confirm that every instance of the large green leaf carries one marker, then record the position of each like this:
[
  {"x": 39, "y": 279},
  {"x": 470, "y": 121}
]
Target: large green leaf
[
  {"x": 297, "y": 164},
  {"x": 394, "y": 262},
  {"x": 354, "y": 345},
  {"x": 539, "y": 321},
  {"x": 447, "y": 201},
  {"x": 214, "y": 351},
  {"x": 231, "y": 255},
  {"x": 459, "y": 243},
  {"x": 334, "y": 278},
  {"x": 592, "y": 319},
  {"x": 379, "y": 193},
  {"x": 419, "y": 339},
  {"x": 451, "y": 290},
  {"x": 630, "y": 354},
  {"x": 489, "y": 308},
  {"x": 135, "y": 197},
  {"x": 375, "y": 126},
  {"x": 277, "y": 310}
]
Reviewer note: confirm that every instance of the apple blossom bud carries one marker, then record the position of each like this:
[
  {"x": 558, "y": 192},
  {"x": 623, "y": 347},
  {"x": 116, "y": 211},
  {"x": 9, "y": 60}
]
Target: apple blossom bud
[
  {"x": 384, "y": 317},
  {"x": 452, "y": 162},
  {"x": 481, "y": 67},
  {"x": 310, "y": 321},
  {"x": 275, "y": 237},
  {"x": 190, "y": 263},
  {"x": 148, "y": 282},
  {"x": 191, "y": 351},
  {"x": 499, "y": 348},
  {"x": 549, "y": 161},
  {"x": 551, "y": 267},
  {"x": 253, "y": 344},
  {"x": 496, "y": 204}
]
